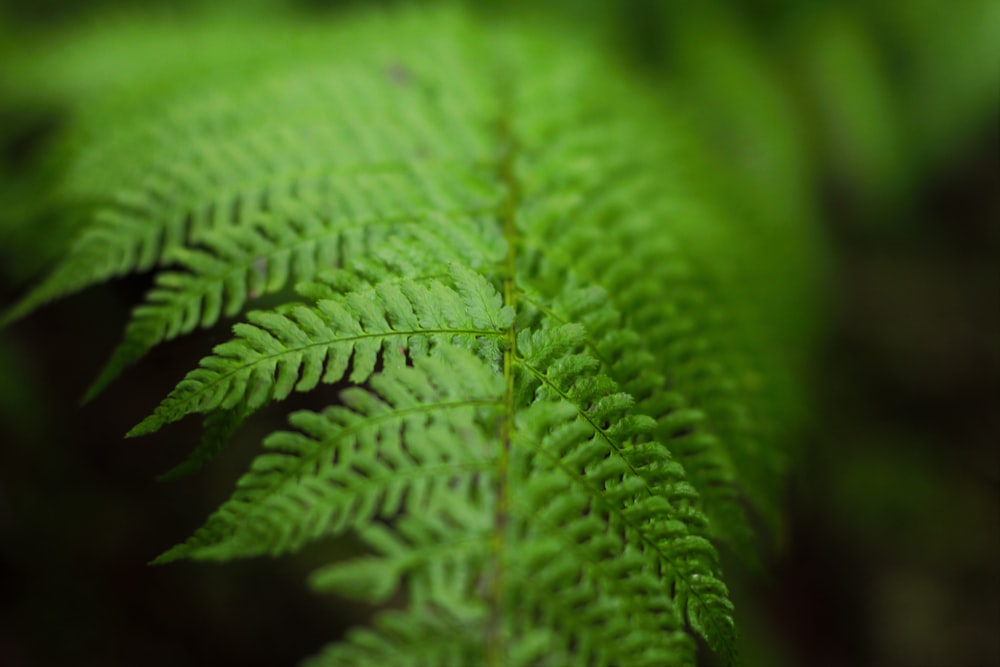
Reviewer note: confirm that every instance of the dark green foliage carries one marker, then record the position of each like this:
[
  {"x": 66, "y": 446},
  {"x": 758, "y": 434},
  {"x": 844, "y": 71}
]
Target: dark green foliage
[{"x": 548, "y": 311}]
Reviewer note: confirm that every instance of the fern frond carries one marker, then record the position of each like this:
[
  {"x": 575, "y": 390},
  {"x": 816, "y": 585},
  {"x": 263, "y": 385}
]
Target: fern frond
[
  {"x": 638, "y": 486},
  {"x": 686, "y": 328},
  {"x": 532, "y": 290},
  {"x": 156, "y": 184},
  {"x": 233, "y": 266},
  {"x": 359, "y": 458},
  {"x": 408, "y": 437},
  {"x": 608, "y": 338},
  {"x": 296, "y": 347}
]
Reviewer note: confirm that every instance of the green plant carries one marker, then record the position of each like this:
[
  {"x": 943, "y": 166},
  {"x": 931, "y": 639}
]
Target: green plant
[{"x": 545, "y": 310}]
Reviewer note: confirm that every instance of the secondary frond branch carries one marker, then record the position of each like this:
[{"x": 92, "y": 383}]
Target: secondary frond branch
[
  {"x": 296, "y": 347},
  {"x": 686, "y": 568},
  {"x": 234, "y": 265}
]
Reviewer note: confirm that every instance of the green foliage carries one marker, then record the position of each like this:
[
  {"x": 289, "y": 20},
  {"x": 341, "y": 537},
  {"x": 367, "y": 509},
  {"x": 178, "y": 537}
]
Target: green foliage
[{"x": 545, "y": 310}]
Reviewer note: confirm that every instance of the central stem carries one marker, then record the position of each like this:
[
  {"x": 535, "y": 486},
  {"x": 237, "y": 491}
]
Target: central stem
[{"x": 496, "y": 651}]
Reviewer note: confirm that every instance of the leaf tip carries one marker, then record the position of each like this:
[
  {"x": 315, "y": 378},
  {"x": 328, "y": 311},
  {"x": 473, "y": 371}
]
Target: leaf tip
[{"x": 150, "y": 424}]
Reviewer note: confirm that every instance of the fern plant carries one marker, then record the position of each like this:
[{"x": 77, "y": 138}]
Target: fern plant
[{"x": 538, "y": 298}]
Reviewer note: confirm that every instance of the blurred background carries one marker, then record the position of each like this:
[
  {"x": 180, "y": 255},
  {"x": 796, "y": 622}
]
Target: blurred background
[{"x": 877, "y": 122}]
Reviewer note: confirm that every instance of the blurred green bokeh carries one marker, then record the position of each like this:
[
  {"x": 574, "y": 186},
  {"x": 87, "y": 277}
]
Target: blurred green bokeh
[{"x": 876, "y": 122}]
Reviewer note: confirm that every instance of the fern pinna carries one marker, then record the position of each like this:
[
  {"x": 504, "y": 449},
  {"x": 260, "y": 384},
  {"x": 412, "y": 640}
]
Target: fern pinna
[{"x": 509, "y": 252}]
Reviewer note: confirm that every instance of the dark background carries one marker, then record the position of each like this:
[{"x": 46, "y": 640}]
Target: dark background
[{"x": 893, "y": 535}]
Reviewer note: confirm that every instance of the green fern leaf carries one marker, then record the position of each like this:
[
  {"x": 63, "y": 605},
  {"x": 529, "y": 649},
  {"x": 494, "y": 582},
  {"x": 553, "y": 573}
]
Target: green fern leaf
[
  {"x": 358, "y": 461},
  {"x": 234, "y": 266},
  {"x": 538, "y": 299},
  {"x": 297, "y": 347}
]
